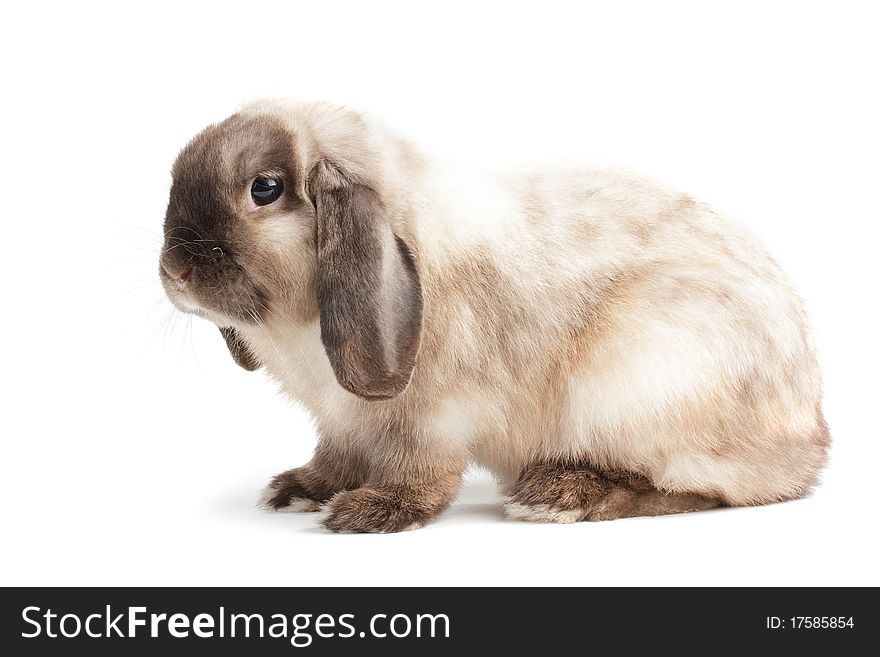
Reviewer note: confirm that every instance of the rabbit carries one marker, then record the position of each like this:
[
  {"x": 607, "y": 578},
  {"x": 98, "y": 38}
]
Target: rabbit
[{"x": 604, "y": 346}]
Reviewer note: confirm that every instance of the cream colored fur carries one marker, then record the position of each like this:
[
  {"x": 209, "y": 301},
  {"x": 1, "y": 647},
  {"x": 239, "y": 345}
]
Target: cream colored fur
[{"x": 571, "y": 314}]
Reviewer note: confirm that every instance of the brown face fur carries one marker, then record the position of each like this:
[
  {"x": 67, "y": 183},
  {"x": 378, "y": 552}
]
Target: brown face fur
[{"x": 215, "y": 231}]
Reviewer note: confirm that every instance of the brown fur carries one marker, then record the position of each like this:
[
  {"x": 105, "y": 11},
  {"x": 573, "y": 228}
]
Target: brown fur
[
  {"x": 204, "y": 212},
  {"x": 367, "y": 287},
  {"x": 383, "y": 509},
  {"x": 335, "y": 467},
  {"x": 239, "y": 350},
  {"x": 407, "y": 483},
  {"x": 596, "y": 494}
]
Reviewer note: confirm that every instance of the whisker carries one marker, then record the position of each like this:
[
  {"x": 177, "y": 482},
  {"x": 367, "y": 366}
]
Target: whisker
[
  {"x": 140, "y": 285},
  {"x": 156, "y": 306},
  {"x": 192, "y": 343},
  {"x": 160, "y": 325},
  {"x": 192, "y": 230}
]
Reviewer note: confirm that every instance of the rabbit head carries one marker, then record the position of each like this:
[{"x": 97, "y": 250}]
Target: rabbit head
[{"x": 268, "y": 220}]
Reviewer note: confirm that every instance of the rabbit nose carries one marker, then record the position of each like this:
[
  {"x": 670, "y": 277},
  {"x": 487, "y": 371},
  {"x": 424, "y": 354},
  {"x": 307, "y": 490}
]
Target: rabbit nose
[{"x": 178, "y": 277}]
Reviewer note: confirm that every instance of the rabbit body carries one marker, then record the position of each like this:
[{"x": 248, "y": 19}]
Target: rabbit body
[{"x": 573, "y": 322}]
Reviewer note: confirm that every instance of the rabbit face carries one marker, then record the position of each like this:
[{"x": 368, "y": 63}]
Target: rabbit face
[
  {"x": 239, "y": 234},
  {"x": 262, "y": 230}
]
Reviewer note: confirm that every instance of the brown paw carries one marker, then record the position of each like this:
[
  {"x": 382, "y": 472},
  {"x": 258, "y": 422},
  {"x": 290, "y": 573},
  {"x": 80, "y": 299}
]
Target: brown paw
[
  {"x": 566, "y": 493},
  {"x": 377, "y": 510},
  {"x": 290, "y": 492}
]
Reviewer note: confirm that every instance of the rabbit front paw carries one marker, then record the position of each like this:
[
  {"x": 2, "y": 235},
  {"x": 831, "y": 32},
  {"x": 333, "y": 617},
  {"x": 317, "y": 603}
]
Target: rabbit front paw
[
  {"x": 380, "y": 510},
  {"x": 293, "y": 491}
]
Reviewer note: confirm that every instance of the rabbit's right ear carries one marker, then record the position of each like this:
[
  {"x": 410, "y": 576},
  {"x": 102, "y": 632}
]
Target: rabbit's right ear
[
  {"x": 239, "y": 350},
  {"x": 369, "y": 293}
]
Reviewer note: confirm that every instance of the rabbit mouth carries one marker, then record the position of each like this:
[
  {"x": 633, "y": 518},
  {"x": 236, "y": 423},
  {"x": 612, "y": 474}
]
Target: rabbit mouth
[
  {"x": 232, "y": 297},
  {"x": 180, "y": 294}
]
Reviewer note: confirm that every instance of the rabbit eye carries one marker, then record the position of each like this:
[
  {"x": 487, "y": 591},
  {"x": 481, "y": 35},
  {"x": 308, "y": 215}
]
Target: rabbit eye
[{"x": 266, "y": 190}]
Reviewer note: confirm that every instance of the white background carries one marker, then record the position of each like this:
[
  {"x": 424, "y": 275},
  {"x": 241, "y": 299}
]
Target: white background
[{"x": 133, "y": 448}]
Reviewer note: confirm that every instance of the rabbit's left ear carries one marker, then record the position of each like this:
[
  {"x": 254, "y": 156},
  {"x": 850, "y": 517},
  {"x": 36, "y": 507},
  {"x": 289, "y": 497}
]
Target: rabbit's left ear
[
  {"x": 240, "y": 352},
  {"x": 369, "y": 293}
]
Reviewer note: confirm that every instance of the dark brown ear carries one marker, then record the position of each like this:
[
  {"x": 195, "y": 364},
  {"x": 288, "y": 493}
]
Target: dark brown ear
[
  {"x": 239, "y": 350},
  {"x": 368, "y": 288}
]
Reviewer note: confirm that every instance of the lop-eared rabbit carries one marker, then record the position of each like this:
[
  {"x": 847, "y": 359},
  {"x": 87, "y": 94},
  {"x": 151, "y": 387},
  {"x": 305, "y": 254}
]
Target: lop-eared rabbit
[{"x": 604, "y": 346}]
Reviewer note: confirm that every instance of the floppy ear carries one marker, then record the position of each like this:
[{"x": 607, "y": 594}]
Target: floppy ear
[
  {"x": 239, "y": 350},
  {"x": 368, "y": 288}
]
